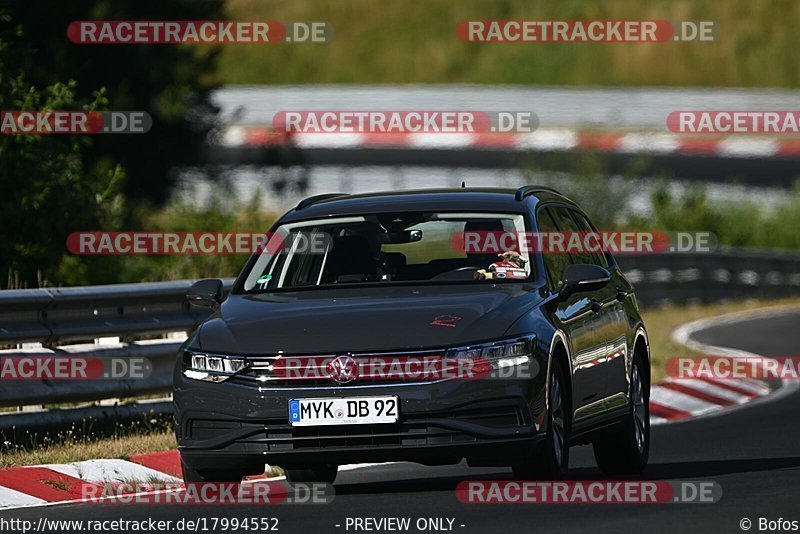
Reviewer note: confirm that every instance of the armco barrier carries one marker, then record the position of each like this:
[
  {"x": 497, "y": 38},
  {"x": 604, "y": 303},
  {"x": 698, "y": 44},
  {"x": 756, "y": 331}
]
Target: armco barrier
[
  {"x": 726, "y": 274},
  {"x": 159, "y": 354},
  {"x": 29, "y": 427},
  {"x": 754, "y": 170},
  {"x": 75, "y": 313}
]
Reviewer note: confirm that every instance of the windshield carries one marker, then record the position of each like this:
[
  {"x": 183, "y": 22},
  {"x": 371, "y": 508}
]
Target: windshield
[{"x": 388, "y": 248}]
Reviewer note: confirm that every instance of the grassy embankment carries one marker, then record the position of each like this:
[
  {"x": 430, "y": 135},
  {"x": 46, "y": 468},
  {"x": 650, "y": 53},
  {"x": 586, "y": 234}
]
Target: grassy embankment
[{"x": 375, "y": 41}]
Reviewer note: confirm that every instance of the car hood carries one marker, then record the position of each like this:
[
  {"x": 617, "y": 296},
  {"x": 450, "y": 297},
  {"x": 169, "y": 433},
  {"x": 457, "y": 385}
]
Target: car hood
[{"x": 365, "y": 319}]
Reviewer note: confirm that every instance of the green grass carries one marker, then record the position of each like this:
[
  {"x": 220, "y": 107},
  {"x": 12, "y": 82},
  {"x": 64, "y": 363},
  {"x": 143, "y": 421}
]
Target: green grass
[
  {"x": 402, "y": 41},
  {"x": 59, "y": 452},
  {"x": 735, "y": 223}
]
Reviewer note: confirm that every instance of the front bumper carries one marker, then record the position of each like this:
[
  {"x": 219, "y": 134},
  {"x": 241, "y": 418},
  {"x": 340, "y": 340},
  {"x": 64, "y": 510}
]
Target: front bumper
[{"x": 488, "y": 421}]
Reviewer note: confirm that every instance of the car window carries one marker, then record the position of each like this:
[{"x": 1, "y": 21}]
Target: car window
[
  {"x": 555, "y": 262},
  {"x": 598, "y": 258},
  {"x": 436, "y": 243},
  {"x": 566, "y": 223}
]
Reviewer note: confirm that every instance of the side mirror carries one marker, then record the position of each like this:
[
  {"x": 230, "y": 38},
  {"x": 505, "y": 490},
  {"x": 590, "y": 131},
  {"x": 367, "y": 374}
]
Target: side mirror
[
  {"x": 583, "y": 277},
  {"x": 205, "y": 293}
]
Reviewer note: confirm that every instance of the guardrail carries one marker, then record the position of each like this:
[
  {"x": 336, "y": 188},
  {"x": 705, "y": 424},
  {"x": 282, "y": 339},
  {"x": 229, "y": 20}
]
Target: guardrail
[
  {"x": 53, "y": 316},
  {"x": 155, "y": 357},
  {"x": 64, "y": 314},
  {"x": 57, "y": 315},
  {"x": 725, "y": 274},
  {"x": 757, "y": 170}
]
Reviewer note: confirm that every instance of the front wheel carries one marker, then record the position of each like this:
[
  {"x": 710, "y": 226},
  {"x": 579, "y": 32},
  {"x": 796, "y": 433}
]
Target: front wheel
[
  {"x": 626, "y": 449},
  {"x": 550, "y": 459}
]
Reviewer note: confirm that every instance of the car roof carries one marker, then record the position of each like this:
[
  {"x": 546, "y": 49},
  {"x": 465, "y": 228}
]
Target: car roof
[{"x": 504, "y": 200}]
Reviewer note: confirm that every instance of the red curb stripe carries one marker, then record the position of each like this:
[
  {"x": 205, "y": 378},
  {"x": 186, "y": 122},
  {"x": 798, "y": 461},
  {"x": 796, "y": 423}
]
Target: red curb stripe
[
  {"x": 384, "y": 139},
  {"x": 666, "y": 412},
  {"x": 586, "y": 140},
  {"x": 499, "y": 140},
  {"x": 606, "y": 142},
  {"x": 789, "y": 148},
  {"x": 263, "y": 137},
  {"x": 699, "y": 146},
  {"x": 168, "y": 462},
  {"x": 674, "y": 386},
  {"x": 44, "y": 483}
]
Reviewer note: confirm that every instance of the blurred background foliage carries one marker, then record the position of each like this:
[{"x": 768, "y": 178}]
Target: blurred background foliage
[
  {"x": 55, "y": 185},
  {"x": 417, "y": 44}
]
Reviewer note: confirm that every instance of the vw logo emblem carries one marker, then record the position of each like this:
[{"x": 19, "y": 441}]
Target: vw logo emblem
[{"x": 343, "y": 369}]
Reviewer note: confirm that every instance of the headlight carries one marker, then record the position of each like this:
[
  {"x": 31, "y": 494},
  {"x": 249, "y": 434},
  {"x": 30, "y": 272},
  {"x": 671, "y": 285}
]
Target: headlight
[
  {"x": 211, "y": 367},
  {"x": 500, "y": 354}
]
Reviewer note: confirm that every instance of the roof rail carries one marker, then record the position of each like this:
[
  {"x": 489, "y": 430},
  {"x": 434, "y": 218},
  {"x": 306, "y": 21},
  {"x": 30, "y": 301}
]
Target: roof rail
[
  {"x": 317, "y": 198},
  {"x": 526, "y": 190}
]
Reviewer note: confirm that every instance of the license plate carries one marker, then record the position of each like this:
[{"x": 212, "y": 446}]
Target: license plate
[{"x": 343, "y": 411}]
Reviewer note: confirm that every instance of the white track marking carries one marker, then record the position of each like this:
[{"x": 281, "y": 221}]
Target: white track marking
[
  {"x": 111, "y": 471},
  {"x": 705, "y": 386},
  {"x": 753, "y": 386},
  {"x": 441, "y": 140},
  {"x": 681, "y": 401},
  {"x": 10, "y": 498}
]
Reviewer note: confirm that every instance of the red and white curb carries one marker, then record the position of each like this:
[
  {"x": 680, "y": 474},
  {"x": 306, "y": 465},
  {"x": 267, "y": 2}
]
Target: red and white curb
[
  {"x": 60, "y": 483},
  {"x": 683, "y": 398},
  {"x": 47, "y": 485},
  {"x": 733, "y": 146}
]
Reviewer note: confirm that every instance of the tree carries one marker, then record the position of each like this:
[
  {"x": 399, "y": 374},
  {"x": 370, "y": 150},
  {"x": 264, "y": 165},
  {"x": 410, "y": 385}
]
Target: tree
[
  {"x": 56, "y": 184},
  {"x": 172, "y": 83},
  {"x": 48, "y": 189}
]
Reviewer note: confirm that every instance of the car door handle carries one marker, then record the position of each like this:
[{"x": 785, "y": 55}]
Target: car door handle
[{"x": 596, "y": 305}]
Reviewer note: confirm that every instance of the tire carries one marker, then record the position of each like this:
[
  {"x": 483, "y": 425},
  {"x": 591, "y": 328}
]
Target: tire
[
  {"x": 626, "y": 449},
  {"x": 550, "y": 458},
  {"x": 193, "y": 475},
  {"x": 321, "y": 473}
]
